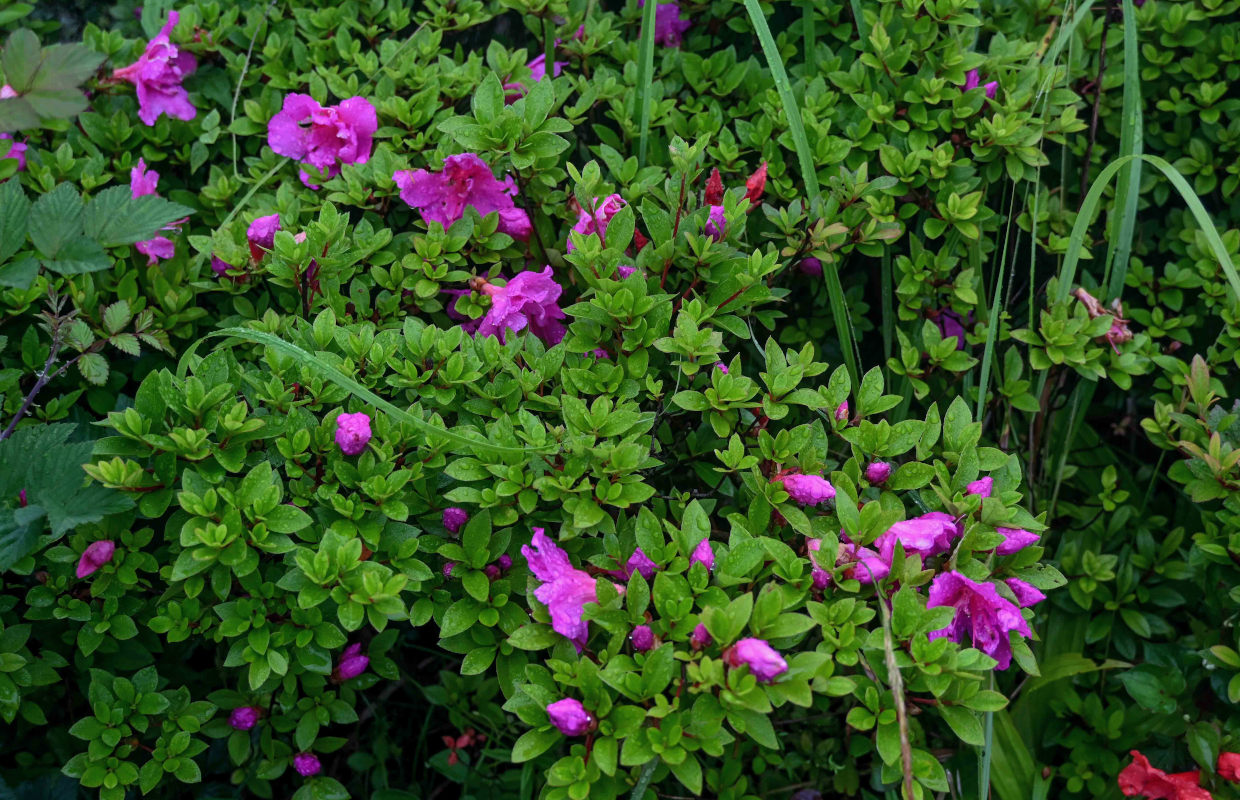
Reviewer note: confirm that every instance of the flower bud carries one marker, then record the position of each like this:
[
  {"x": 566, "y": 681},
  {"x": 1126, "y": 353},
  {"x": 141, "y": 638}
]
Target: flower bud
[
  {"x": 643, "y": 638},
  {"x": 95, "y": 556},
  {"x": 307, "y": 764},
  {"x": 454, "y": 518},
  {"x": 244, "y": 718},
  {"x": 353, "y": 432},
  {"x": 570, "y": 716}
]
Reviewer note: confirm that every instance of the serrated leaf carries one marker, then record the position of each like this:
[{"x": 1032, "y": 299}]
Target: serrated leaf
[
  {"x": 19, "y": 534},
  {"x": 21, "y": 58},
  {"x": 94, "y": 368},
  {"x": 116, "y": 217},
  {"x": 56, "y": 220},
  {"x": 126, "y": 343},
  {"x": 116, "y": 316},
  {"x": 78, "y": 258},
  {"x": 14, "y": 212},
  {"x": 66, "y": 66}
]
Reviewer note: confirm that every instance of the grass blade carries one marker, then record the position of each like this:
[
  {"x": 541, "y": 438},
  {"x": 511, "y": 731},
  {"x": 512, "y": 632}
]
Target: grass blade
[
  {"x": 863, "y": 30},
  {"x": 462, "y": 442},
  {"x": 1067, "y": 273},
  {"x": 645, "y": 79},
  {"x": 809, "y": 30},
  {"x": 1128, "y": 188}
]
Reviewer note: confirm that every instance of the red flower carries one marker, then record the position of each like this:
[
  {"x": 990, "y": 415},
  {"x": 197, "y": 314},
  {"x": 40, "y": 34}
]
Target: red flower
[
  {"x": 1229, "y": 766},
  {"x": 756, "y": 184},
  {"x": 1139, "y": 778},
  {"x": 714, "y": 188}
]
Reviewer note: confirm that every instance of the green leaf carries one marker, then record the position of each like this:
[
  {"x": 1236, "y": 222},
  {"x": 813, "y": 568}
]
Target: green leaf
[
  {"x": 56, "y": 220},
  {"x": 14, "y": 212},
  {"x": 19, "y": 534},
  {"x": 488, "y": 101},
  {"x": 20, "y": 60},
  {"x": 533, "y": 744},
  {"x": 94, "y": 368},
  {"x": 79, "y": 257},
  {"x": 115, "y": 217},
  {"x": 965, "y": 723}
]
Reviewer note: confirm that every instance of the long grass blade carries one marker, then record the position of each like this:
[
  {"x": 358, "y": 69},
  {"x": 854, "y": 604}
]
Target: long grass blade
[
  {"x": 809, "y": 29},
  {"x": 1076, "y": 241},
  {"x": 1128, "y": 188},
  {"x": 645, "y": 79},
  {"x": 462, "y": 442},
  {"x": 863, "y": 28}
]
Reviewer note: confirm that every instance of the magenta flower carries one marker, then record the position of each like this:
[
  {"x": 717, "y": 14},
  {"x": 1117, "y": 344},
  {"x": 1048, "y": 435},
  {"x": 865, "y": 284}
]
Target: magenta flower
[
  {"x": 950, "y": 324},
  {"x": 595, "y": 219},
  {"x": 466, "y": 180},
  {"x": 262, "y": 235},
  {"x": 973, "y": 79},
  {"x": 220, "y": 266},
  {"x": 700, "y": 637},
  {"x": 640, "y": 562},
  {"x": 927, "y": 535},
  {"x": 810, "y": 266},
  {"x": 570, "y": 716},
  {"x": 352, "y": 663},
  {"x": 447, "y": 568},
  {"x": 821, "y": 578},
  {"x": 538, "y": 70},
  {"x": 643, "y": 638},
  {"x": 763, "y": 661},
  {"x": 982, "y": 486},
  {"x": 625, "y": 270},
  {"x": 244, "y": 718},
  {"x": 504, "y": 562},
  {"x": 142, "y": 182},
  {"x": 455, "y": 518},
  {"x": 491, "y": 571},
  {"x": 716, "y": 224},
  {"x": 528, "y": 300},
  {"x": 865, "y": 565},
  {"x": 16, "y": 150},
  {"x": 157, "y": 76},
  {"x": 323, "y": 137},
  {"x": 95, "y": 556},
  {"x": 1026, "y": 593},
  {"x": 980, "y": 612},
  {"x": 7, "y": 92},
  {"x": 877, "y": 472},
  {"x": 307, "y": 764},
  {"x": 808, "y": 490},
  {"x": 841, "y": 412},
  {"x": 702, "y": 554},
  {"x": 565, "y": 590},
  {"x": 722, "y": 367},
  {"x": 1015, "y": 540},
  {"x": 669, "y": 28},
  {"x": 353, "y": 432}
]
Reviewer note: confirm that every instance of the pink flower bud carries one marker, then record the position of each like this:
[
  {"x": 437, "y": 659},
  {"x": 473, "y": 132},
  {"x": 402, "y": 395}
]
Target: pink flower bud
[
  {"x": 454, "y": 518},
  {"x": 982, "y": 487},
  {"x": 702, "y": 554},
  {"x": 841, "y": 412},
  {"x": 95, "y": 556},
  {"x": 570, "y": 716},
  {"x": 700, "y": 637},
  {"x": 353, "y": 432},
  {"x": 722, "y": 367},
  {"x": 21, "y": 499},
  {"x": 643, "y": 638},
  {"x": 262, "y": 235},
  {"x": 810, "y": 266},
  {"x": 504, "y": 562},
  {"x": 244, "y": 718},
  {"x": 491, "y": 571},
  {"x": 716, "y": 224},
  {"x": 878, "y": 472},
  {"x": 307, "y": 764},
  {"x": 1016, "y": 539},
  {"x": 808, "y": 490},
  {"x": 447, "y": 569},
  {"x": 763, "y": 661},
  {"x": 352, "y": 663}
]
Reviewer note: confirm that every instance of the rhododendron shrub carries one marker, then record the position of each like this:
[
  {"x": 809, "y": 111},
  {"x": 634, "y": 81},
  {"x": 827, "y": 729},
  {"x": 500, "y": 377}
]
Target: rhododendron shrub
[{"x": 446, "y": 405}]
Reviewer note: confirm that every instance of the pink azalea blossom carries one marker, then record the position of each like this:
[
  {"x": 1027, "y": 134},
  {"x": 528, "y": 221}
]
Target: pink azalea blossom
[
  {"x": 220, "y": 266},
  {"x": 307, "y": 764},
  {"x": 866, "y": 565},
  {"x": 877, "y": 472},
  {"x": 1026, "y": 593},
  {"x": 642, "y": 638},
  {"x": 1015, "y": 540},
  {"x": 455, "y": 518},
  {"x": 722, "y": 367},
  {"x": 565, "y": 590},
  {"x": 702, "y": 554},
  {"x": 821, "y": 578},
  {"x": 538, "y": 70},
  {"x": 595, "y": 219},
  {"x": 262, "y": 235},
  {"x": 981, "y": 486},
  {"x": 700, "y": 637},
  {"x": 973, "y": 79},
  {"x": 638, "y": 562},
  {"x": 353, "y": 432},
  {"x": 7, "y": 92},
  {"x": 625, "y": 270},
  {"x": 841, "y": 412},
  {"x": 808, "y": 490},
  {"x": 716, "y": 224},
  {"x": 143, "y": 182},
  {"x": 95, "y": 556},
  {"x": 352, "y": 663},
  {"x": 927, "y": 535},
  {"x": 244, "y": 718},
  {"x": 763, "y": 661},
  {"x": 570, "y": 717},
  {"x": 466, "y": 180},
  {"x": 669, "y": 28},
  {"x": 981, "y": 613},
  {"x": 16, "y": 150},
  {"x": 157, "y": 76},
  {"x": 323, "y": 136},
  {"x": 528, "y": 300},
  {"x": 491, "y": 571}
]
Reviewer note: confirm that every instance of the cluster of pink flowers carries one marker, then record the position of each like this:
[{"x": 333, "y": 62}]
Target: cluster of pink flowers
[
  {"x": 323, "y": 136},
  {"x": 157, "y": 77},
  {"x": 564, "y": 589},
  {"x": 1140, "y": 779},
  {"x": 530, "y": 300},
  {"x": 465, "y": 180},
  {"x": 16, "y": 150},
  {"x": 973, "y": 79}
]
